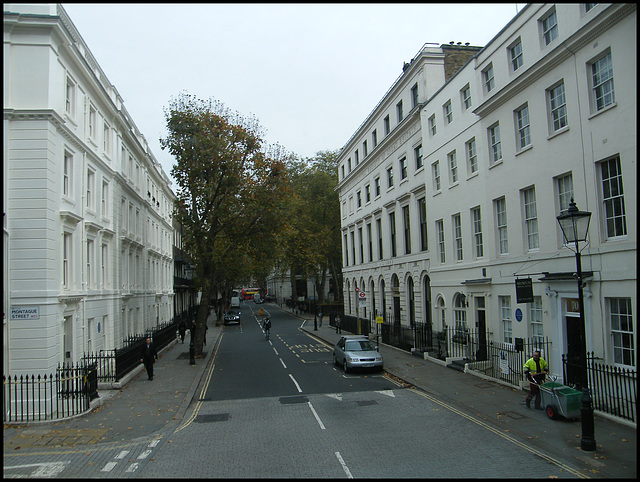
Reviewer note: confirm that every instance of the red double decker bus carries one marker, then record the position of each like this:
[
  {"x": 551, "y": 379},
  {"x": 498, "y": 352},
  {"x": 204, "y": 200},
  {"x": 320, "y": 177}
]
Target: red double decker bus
[{"x": 247, "y": 293}]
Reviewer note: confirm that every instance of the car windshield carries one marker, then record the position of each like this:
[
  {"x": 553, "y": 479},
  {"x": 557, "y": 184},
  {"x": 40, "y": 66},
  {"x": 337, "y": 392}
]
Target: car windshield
[{"x": 359, "y": 345}]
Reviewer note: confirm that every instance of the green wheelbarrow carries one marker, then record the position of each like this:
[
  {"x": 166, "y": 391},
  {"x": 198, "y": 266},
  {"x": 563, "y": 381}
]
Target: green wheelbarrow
[{"x": 559, "y": 399}]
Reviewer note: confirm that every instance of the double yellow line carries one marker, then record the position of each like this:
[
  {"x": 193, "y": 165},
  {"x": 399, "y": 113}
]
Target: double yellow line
[{"x": 194, "y": 414}]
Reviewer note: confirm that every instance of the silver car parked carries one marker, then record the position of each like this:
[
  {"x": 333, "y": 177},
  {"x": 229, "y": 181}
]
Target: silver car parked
[{"x": 356, "y": 351}]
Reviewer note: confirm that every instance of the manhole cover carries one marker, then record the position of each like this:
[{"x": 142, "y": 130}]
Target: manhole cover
[
  {"x": 514, "y": 415},
  {"x": 216, "y": 417},
  {"x": 294, "y": 399}
]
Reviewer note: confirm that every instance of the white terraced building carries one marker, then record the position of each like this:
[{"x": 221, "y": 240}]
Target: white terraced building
[
  {"x": 88, "y": 236},
  {"x": 451, "y": 187}
]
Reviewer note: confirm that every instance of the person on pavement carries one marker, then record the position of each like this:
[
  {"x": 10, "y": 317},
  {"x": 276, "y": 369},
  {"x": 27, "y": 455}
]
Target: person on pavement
[
  {"x": 535, "y": 370},
  {"x": 149, "y": 357}
]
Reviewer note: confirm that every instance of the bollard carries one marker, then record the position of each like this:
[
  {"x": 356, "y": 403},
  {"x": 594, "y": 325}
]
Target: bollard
[
  {"x": 588, "y": 441},
  {"x": 192, "y": 354}
]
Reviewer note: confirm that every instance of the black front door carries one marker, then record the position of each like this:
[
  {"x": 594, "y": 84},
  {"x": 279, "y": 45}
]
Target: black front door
[
  {"x": 481, "y": 325},
  {"x": 575, "y": 350}
]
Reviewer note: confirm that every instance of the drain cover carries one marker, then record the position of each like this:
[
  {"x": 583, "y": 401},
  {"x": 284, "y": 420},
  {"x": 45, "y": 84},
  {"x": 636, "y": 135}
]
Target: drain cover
[
  {"x": 294, "y": 399},
  {"x": 216, "y": 417}
]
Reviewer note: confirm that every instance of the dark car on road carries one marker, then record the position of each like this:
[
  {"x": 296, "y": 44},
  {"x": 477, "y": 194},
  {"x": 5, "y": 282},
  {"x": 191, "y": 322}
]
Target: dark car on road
[{"x": 232, "y": 317}]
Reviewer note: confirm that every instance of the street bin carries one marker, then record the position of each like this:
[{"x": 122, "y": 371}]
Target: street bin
[{"x": 558, "y": 399}]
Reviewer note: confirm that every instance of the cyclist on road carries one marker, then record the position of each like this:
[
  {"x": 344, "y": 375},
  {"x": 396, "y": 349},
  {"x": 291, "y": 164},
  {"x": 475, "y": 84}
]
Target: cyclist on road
[{"x": 266, "y": 326}]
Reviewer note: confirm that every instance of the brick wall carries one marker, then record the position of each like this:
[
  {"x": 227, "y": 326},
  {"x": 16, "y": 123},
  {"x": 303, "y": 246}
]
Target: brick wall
[{"x": 455, "y": 56}]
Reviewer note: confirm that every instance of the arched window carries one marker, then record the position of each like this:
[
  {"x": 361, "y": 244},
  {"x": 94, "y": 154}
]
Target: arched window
[
  {"x": 411, "y": 297},
  {"x": 441, "y": 310},
  {"x": 460, "y": 314}
]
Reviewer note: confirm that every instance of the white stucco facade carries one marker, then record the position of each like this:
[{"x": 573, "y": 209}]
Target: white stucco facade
[
  {"x": 490, "y": 212},
  {"x": 87, "y": 228}
]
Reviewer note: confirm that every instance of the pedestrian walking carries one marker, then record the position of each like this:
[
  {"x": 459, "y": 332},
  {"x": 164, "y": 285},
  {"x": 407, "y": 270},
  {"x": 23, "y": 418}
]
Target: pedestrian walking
[
  {"x": 320, "y": 317},
  {"x": 149, "y": 357},
  {"x": 182, "y": 328},
  {"x": 338, "y": 325},
  {"x": 535, "y": 370},
  {"x": 206, "y": 329}
]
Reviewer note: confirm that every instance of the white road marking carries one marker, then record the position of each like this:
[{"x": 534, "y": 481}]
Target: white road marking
[
  {"x": 283, "y": 363},
  {"x": 122, "y": 455},
  {"x": 344, "y": 466},
  {"x": 388, "y": 393},
  {"x": 316, "y": 415},
  {"x": 109, "y": 467},
  {"x": 154, "y": 442},
  {"x": 144, "y": 454},
  {"x": 296, "y": 383},
  {"x": 132, "y": 467},
  {"x": 45, "y": 469},
  {"x": 337, "y": 396}
]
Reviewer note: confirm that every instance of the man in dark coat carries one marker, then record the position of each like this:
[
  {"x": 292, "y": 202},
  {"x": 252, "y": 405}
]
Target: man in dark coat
[{"x": 149, "y": 357}]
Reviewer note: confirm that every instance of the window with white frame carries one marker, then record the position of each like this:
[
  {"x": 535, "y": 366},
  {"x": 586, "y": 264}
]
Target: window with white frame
[
  {"x": 432, "y": 125},
  {"x": 613, "y": 198},
  {"x": 342, "y": 170},
  {"x": 403, "y": 168},
  {"x": 417, "y": 152},
  {"x": 407, "y": 229},
  {"x": 535, "y": 318},
  {"x": 472, "y": 158},
  {"x": 565, "y": 191},
  {"x": 466, "y": 96},
  {"x": 106, "y": 139},
  {"x": 399, "y": 112},
  {"x": 367, "y": 193},
  {"x": 414, "y": 95},
  {"x": 460, "y": 317},
  {"x": 91, "y": 175},
  {"x": 359, "y": 199},
  {"x": 422, "y": 213},
  {"x": 476, "y": 218},
  {"x": 440, "y": 233},
  {"x": 90, "y": 264},
  {"x": 457, "y": 236},
  {"x": 353, "y": 248},
  {"x": 603, "y": 93},
  {"x": 515, "y": 54},
  {"x": 495, "y": 146},
  {"x": 453, "y": 167},
  {"x": 550, "y": 27},
  {"x": 557, "y": 107},
  {"x": 390, "y": 177},
  {"x": 487, "y": 78},
  {"x": 67, "y": 174},
  {"x": 361, "y": 242},
  {"x": 105, "y": 199},
  {"x": 376, "y": 184},
  {"x": 387, "y": 126},
  {"x": 370, "y": 241},
  {"x": 349, "y": 165},
  {"x": 379, "y": 231},
  {"x": 66, "y": 260},
  {"x": 436, "y": 176},
  {"x": 448, "y": 112},
  {"x": 392, "y": 233},
  {"x": 505, "y": 316},
  {"x": 501, "y": 225},
  {"x": 346, "y": 250},
  {"x": 374, "y": 138},
  {"x": 92, "y": 122},
  {"x": 365, "y": 149},
  {"x": 522, "y": 127},
  {"x": 104, "y": 266},
  {"x": 530, "y": 218},
  {"x": 621, "y": 322},
  {"x": 70, "y": 98},
  {"x": 357, "y": 157},
  {"x": 589, "y": 6}
]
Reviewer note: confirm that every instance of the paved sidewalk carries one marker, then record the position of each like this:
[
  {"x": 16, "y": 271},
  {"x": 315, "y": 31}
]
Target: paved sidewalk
[
  {"x": 502, "y": 408},
  {"x": 141, "y": 408}
]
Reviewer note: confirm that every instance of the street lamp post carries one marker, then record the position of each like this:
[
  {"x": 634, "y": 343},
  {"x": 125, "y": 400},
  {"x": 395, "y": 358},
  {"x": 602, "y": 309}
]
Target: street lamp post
[{"x": 575, "y": 226}]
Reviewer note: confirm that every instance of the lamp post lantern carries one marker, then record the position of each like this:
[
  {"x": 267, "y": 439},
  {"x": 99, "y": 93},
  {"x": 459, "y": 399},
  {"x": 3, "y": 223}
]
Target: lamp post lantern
[{"x": 575, "y": 227}]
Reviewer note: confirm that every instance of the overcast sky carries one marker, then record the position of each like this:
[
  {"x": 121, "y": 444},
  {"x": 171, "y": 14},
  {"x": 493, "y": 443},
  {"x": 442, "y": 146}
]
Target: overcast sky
[{"x": 311, "y": 73}]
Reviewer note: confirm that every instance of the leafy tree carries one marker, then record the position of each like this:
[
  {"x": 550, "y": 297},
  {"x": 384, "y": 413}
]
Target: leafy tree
[{"x": 229, "y": 191}]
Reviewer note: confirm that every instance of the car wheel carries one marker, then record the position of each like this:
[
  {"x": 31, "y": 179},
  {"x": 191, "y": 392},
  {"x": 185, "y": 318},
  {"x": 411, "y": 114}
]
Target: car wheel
[{"x": 344, "y": 366}]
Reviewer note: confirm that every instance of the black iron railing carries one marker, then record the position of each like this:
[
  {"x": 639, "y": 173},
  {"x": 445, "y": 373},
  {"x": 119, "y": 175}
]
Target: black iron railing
[{"x": 613, "y": 389}]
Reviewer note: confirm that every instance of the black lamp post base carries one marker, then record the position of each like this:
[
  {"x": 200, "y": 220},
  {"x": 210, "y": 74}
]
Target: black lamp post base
[{"x": 588, "y": 440}]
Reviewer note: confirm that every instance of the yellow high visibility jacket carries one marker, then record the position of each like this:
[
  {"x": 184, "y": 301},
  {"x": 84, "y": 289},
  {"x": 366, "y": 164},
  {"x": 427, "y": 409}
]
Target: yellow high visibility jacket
[{"x": 530, "y": 366}]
